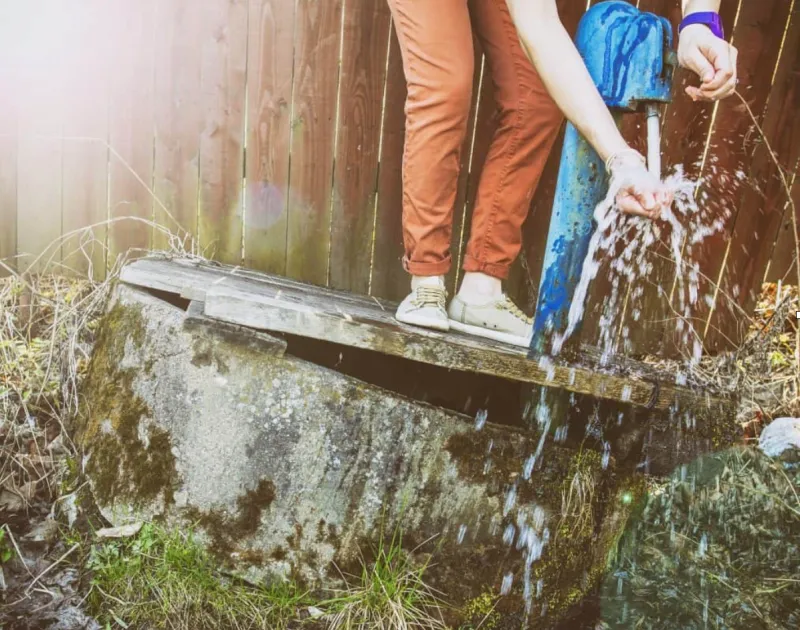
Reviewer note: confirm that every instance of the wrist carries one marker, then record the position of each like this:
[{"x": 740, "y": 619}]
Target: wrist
[{"x": 709, "y": 20}]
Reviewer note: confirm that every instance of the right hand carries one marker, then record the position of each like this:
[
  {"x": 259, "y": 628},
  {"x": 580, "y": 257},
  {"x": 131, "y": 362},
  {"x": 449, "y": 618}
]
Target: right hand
[{"x": 640, "y": 193}]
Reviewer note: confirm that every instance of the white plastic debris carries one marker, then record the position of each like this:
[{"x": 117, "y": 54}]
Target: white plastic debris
[{"x": 781, "y": 435}]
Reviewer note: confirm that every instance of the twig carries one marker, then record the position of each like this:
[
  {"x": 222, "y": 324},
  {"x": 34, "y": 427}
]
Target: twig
[{"x": 51, "y": 567}]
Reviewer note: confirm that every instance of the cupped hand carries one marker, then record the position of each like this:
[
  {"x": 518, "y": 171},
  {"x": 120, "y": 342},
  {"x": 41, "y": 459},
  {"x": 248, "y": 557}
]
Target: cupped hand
[
  {"x": 712, "y": 59},
  {"x": 640, "y": 192}
]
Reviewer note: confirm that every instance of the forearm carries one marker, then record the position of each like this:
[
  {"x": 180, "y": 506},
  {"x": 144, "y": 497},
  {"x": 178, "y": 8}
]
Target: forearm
[
  {"x": 696, "y": 6},
  {"x": 564, "y": 73}
]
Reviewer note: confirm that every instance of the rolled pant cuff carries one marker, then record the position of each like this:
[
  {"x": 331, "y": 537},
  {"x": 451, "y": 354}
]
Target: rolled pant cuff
[
  {"x": 427, "y": 269},
  {"x": 474, "y": 265}
]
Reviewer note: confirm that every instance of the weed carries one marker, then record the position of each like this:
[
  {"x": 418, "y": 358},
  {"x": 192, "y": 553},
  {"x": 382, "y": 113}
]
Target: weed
[
  {"x": 5, "y": 549},
  {"x": 389, "y": 595},
  {"x": 166, "y": 579}
]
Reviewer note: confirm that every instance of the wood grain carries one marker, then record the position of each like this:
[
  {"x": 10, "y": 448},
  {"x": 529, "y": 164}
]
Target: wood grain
[
  {"x": 314, "y": 121},
  {"x": 355, "y": 178},
  {"x": 275, "y": 304},
  {"x": 761, "y": 208},
  {"x": 131, "y": 125},
  {"x": 223, "y": 76},
  {"x": 389, "y": 280},
  {"x": 270, "y": 54},
  {"x": 178, "y": 118}
]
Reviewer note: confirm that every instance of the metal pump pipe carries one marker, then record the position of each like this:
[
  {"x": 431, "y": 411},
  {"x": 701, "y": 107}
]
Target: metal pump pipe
[{"x": 629, "y": 55}]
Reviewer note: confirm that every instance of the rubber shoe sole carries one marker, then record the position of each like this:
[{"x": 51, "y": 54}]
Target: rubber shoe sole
[
  {"x": 494, "y": 335},
  {"x": 442, "y": 325}
]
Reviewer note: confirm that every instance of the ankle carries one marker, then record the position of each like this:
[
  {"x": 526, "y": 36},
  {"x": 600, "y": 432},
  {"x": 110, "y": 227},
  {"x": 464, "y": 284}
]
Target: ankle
[
  {"x": 479, "y": 288},
  {"x": 427, "y": 281}
]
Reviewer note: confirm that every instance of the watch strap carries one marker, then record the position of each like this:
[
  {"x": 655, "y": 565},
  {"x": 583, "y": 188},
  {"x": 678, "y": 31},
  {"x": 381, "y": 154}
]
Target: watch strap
[{"x": 706, "y": 18}]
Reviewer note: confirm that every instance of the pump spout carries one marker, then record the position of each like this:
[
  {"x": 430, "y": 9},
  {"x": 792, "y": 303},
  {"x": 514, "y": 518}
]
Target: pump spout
[{"x": 653, "y": 140}]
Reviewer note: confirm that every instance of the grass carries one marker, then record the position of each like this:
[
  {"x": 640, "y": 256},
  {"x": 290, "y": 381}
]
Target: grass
[
  {"x": 166, "y": 579},
  {"x": 391, "y": 594}
]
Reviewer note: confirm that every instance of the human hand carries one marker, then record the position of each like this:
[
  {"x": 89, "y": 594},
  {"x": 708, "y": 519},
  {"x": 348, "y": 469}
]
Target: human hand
[
  {"x": 712, "y": 59},
  {"x": 640, "y": 192}
]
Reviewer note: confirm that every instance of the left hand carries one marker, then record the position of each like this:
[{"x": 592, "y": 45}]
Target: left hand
[{"x": 712, "y": 59}]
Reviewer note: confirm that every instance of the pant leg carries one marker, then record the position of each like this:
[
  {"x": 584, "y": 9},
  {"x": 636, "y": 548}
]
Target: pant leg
[
  {"x": 528, "y": 123},
  {"x": 436, "y": 42}
]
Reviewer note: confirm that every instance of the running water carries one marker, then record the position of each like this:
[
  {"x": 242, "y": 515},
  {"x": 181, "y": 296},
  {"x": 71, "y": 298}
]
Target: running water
[{"x": 684, "y": 225}]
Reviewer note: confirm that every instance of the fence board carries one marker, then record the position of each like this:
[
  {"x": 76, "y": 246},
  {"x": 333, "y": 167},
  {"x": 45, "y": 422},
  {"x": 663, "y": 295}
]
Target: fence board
[
  {"x": 758, "y": 34},
  {"x": 269, "y": 101},
  {"x": 131, "y": 123},
  {"x": 785, "y": 254},
  {"x": 178, "y": 118},
  {"x": 315, "y": 92},
  {"x": 85, "y": 148},
  {"x": 41, "y": 67},
  {"x": 222, "y": 83},
  {"x": 389, "y": 280},
  {"x": 362, "y": 81},
  {"x": 764, "y": 197}
]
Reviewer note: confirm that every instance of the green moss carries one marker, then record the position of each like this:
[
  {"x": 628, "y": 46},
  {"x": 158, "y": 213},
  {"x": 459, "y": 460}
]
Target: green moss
[
  {"x": 122, "y": 465},
  {"x": 481, "y": 612}
]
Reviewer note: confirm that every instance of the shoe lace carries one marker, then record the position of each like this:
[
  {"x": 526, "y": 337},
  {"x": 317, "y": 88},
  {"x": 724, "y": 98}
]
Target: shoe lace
[
  {"x": 429, "y": 296},
  {"x": 507, "y": 304}
]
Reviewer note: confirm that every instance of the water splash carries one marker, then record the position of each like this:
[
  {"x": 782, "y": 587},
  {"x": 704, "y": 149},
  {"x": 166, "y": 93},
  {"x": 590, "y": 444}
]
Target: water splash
[
  {"x": 625, "y": 241},
  {"x": 480, "y": 419}
]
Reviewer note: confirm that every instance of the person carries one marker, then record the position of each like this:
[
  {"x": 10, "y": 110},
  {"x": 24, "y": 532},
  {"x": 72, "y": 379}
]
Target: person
[{"x": 539, "y": 78}]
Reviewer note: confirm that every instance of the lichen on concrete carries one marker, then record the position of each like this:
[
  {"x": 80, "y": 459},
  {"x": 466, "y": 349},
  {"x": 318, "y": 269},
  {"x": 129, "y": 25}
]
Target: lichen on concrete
[{"x": 288, "y": 468}]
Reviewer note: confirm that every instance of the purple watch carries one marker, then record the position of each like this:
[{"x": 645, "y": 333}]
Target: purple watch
[{"x": 707, "y": 18}]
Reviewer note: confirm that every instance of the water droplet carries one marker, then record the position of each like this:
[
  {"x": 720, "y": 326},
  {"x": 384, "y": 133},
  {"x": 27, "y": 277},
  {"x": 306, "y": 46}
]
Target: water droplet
[
  {"x": 480, "y": 419},
  {"x": 462, "y": 531},
  {"x": 508, "y": 582}
]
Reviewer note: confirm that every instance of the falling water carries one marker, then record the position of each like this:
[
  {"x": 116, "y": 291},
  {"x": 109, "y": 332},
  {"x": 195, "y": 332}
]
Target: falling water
[{"x": 684, "y": 225}]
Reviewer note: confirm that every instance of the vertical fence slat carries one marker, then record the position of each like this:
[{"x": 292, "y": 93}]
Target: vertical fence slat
[
  {"x": 40, "y": 130},
  {"x": 131, "y": 125},
  {"x": 224, "y": 62},
  {"x": 758, "y": 35},
  {"x": 270, "y": 54},
  {"x": 784, "y": 254},
  {"x": 363, "y": 74},
  {"x": 389, "y": 280},
  {"x": 316, "y": 63},
  {"x": 178, "y": 117},
  {"x": 764, "y": 197},
  {"x": 85, "y": 150}
]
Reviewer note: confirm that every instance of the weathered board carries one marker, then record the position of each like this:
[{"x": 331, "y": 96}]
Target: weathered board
[
  {"x": 178, "y": 119},
  {"x": 362, "y": 82},
  {"x": 280, "y": 305},
  {"x": 315, "y": 104},
  {"x": 130, "y": 134},
  {"x": 270, "y": 55},
  {"x": 223, "y": 54}
]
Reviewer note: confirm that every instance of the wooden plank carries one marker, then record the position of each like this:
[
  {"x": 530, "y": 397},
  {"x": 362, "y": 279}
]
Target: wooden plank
[
  {"x": 389, "y": 280},
  {"x": 41, "y": 70},
  {"x": 222, "y": 83},
  {"x": 272, "y": 303},
  {"x": 270, "y": 55},
  {"x": 131, "y": 124},
  {"x": 758, "y": 35},
  {"x": 784, "y": 253},
  {"x": 85, "y": 149},
  {"x": 355, "y": 178},
  {"x": 762, "y": 205},
  {"x": 178, "y": 118},
  {"x": 314, "y": 121}
]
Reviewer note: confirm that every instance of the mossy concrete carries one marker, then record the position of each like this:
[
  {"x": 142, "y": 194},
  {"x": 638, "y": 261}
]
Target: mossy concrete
[{"x": 288, "y": 468}]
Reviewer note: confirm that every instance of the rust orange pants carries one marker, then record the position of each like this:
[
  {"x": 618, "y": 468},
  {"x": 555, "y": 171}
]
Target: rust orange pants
[{"x": 438, "y": 59}]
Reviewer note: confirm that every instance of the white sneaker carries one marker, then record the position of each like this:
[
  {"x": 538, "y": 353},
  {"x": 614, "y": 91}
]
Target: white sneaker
[
  {"x": 425, "y": 306},
  {"x": 500, "y": 320}
]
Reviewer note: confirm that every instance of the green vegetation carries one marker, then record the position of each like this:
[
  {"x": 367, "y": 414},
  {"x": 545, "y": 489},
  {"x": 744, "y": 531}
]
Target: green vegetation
[
  {"x": 165, "y": 579},
  {"x": 391, "y": 594}
]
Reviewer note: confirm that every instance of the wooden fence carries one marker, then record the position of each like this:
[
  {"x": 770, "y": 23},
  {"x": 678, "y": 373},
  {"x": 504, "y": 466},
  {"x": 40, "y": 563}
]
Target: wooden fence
[{"x": 271, "y": 131}]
